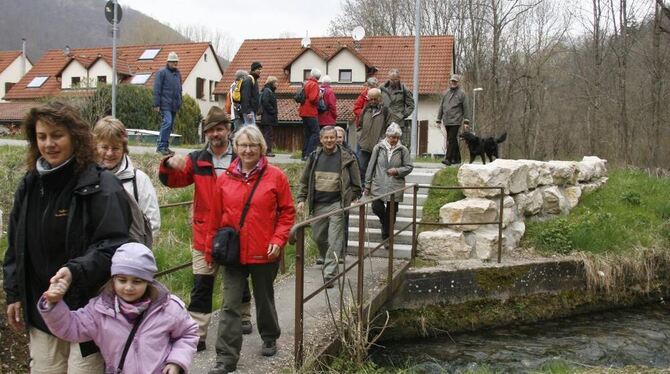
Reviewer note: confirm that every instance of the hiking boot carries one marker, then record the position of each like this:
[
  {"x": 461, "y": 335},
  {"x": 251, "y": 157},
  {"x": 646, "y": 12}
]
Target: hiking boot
[
  {"x": 269, "y": 348},
  {"x": 221, "y": 368},
  {"x": 319, "y": 261},
  {"x": 246, "y": 327},
  {"x": 446, "y": 162},
  {"x": 201, "y": 346},
  {"x": 328, "y": 285}
]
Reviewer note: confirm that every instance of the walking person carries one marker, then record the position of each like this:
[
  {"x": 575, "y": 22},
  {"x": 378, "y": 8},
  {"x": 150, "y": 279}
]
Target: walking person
[
  {"x": 362, "y": 99},
  {"x": 390, "y": 163},
  {"x": 309, "y": 113},
  {"x": 397, "y": 98},
  {"x": 269, "y": 112},
  {"x": 69, "y": 217},
  {"x": 329, "y": 181},
  {"x": 374, "y": 121},
  {"x": 232, "y": 105},
  {"x": 167, "y": 100},
  {"x": 202, "y": 168},
  {"x": 327, "y": 115},
  {"x": 139, "y": 326},
  {"x": 453, "y": 110},
  {"x": 249, "y": 94},
  {"x": 111, "y": 140},
  {"x": 253, "y": 186}
]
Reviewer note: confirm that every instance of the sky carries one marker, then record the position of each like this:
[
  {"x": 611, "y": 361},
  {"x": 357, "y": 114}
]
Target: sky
[{"x": 245, "y": 19}]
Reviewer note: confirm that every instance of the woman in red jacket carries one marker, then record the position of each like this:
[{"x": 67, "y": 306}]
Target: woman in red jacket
[{"x": 263, "y": 235}]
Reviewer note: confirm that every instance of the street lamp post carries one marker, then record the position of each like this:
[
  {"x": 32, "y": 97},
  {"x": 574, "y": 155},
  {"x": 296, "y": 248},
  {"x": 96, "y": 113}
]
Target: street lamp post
[{"x": 474, "y": 105}]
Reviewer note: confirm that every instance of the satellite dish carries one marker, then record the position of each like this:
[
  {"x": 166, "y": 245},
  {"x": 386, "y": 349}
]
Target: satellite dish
[
  {"x": 305, "y": 42},
  {"x": 66, "y": 50},
  {"x": 358, "y": 33}
]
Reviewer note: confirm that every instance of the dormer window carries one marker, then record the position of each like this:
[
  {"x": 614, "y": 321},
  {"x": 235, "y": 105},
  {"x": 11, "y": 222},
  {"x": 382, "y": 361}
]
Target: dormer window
[
  {"x": 345, "y": 76},
  {"x": 37, "y": 82},
  {"x": 150, "y": 54},
  {"x": 140, "y": 78},
  {"x": 306, "y": 74},
  {"x": 75, "y": 81}
]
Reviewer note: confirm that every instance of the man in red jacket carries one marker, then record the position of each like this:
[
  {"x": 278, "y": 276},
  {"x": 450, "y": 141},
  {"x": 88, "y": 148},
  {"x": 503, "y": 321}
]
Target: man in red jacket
[
  {"x": 309, "y": 113},
  {"x": 202, "y": 168},
  {"x": 362, "y": 99},
  {"x": 327, "y": 111}
]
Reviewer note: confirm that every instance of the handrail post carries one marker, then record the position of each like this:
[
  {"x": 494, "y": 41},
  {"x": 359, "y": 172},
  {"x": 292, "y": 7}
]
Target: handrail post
[
  {"x": 391, "y": 226},
  {"x": 361, "y": 240},
  {"x": 500, "y": 224},
  {"x": 415, "y": 191},
  {"x": 299, "y": 296}
]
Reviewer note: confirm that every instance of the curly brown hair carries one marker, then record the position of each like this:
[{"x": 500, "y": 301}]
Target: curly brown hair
[{"x": 59, "y": 113}]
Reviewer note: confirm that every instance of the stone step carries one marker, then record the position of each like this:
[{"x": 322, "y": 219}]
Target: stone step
[
  {"x": 420, "y": 177},
  {"x": 399, "y": 250},
  {"x": 372, "y": 221},
  {"x": 375, "y": 234}
]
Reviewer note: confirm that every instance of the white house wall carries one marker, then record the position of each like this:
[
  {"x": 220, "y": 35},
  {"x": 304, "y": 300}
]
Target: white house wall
[
  {"x": 73, "y": 69},
  {"x": 307, "y": 61},
  {"x": 12, "y": 74},
  {"x": 210, "y": 72},
  {"x": 101, "y": 67},
  {"x": 347, "y": 61},
  {"x": 428, "y": 108}
]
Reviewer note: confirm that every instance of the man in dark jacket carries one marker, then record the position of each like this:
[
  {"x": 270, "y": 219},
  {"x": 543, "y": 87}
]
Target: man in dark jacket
[
  {"x": 269, "y": 111},
  {"x": 249, "y": 94},
  {"x": 398, "y": 99},
  {"x": 202, "y": 168},
  {"x": 330, "y": 181},
  {"x": 167, "y": 100},
  {"x": 452, "y": 112}
]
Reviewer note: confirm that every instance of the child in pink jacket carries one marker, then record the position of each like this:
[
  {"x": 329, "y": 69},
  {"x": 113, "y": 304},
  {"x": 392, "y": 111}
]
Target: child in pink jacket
[{"x": 166, "y": 336}]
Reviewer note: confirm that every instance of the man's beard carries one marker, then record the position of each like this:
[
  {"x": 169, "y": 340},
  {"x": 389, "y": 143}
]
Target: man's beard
[{"x": 217, "y": 142}]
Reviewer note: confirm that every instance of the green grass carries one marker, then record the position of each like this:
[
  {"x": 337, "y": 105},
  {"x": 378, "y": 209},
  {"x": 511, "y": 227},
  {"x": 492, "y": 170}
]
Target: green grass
[
  {"x": 437, "y": 198},
  {"x": 631, "y": 211}
]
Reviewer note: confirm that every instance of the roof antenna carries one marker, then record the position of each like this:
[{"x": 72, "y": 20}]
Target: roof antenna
[
  {"x": 306, "y": 41},
  {"x": 66, "y": 50}
]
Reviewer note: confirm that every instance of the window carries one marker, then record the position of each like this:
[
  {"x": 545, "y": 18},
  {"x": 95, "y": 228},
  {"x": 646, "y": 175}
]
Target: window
[
  {"x": 150, "y": 54},
  {"x": 305, "y": 74},
  {"x": 205, "y": 57},
  {"x": 140, "y": 78},
  {"x": 8, "y": 86},
  {"x": 345, "y": 76},
  {"x": 212, "y": 87},
  {"x": 102, "y": 79},
  {"x": 200, "y": 88},
  {"x": 75, "y": 82},
  {"x": 37, "y": 82}
]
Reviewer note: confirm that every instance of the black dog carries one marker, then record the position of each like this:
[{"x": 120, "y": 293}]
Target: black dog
[{"x": 482, "y": 146}]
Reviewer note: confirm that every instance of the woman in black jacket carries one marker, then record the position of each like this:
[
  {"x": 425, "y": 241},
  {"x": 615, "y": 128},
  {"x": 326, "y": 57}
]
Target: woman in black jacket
[
  {"x": 68, "y": 218},
  {"x": 269, "y": 111}
]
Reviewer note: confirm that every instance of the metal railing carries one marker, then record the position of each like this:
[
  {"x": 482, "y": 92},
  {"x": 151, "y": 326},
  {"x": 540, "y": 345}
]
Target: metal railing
[{"x": 298, "y": 234}]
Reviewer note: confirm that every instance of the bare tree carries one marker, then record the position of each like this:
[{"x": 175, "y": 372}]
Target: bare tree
[{"x": 222, "y": 42}]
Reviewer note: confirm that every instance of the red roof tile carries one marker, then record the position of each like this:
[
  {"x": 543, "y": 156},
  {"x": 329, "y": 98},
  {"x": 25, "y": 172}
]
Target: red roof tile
[
  {"x": 288, "y": 109},
  {"x": 381, "y": 52},
  {"x": 53, "y": 62},
  {"x": 7, "y": 57},
  {"x": 14, "y": 112}
]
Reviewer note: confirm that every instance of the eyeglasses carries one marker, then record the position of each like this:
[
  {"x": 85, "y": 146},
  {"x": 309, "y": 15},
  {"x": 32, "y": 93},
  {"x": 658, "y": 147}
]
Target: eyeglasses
[
  {"x": 248, "y": 146},
  {"x": 106, "y": 148}
]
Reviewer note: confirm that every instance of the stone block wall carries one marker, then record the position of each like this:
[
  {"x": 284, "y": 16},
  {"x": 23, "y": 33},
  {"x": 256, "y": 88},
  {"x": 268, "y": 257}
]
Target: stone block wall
[{"x": 533, "y": 189}]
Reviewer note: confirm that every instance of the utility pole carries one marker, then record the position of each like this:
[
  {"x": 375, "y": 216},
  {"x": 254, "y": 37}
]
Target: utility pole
[
  {"x": 415, "y": 88},
  {"x": 115, "y": 27}
]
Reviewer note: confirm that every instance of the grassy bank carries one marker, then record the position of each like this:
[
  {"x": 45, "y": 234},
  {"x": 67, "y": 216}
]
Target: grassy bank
[{"x": 437, "y": 198}]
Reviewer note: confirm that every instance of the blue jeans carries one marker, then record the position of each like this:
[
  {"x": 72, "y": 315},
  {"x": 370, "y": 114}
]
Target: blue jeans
[
  {"x": 166, "y": 128},
  {"x": 248, "y": 121},
  {"x": 363, "y": 161},
  {"x": 311, "y": 131}
]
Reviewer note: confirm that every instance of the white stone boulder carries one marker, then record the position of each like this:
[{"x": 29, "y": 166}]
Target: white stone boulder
[
  {"x": 444, "y": 244},
  {"x": 469, "y": 210},
  {"x": 554, "y": 201},
  {"x": 512, "y": 235},
  {"x": 510, "y": 212},
  {"x": 518, "y": 174},
  {"x": 598, "y": 164},
  {"x": 484, "y": 242},
  {"x": 538, "y": 173},
  {"x": 594, "y": 185},
  {"x": 586, "y": 171},
  {"x": 477, "y": 175},
  {"x": 572, "y": 195},
  {"x": 529, "y": 203},
  {"x": 563, "y": 172}
]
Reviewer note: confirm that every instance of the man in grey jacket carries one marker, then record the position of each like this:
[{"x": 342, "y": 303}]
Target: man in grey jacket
[
  {"x": 453, "y": 109},
  {"x": 397, "y": 98}
]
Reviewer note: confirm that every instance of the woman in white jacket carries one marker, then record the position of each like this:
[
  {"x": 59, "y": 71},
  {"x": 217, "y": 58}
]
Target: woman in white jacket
[{"x": 112, "y": 149}]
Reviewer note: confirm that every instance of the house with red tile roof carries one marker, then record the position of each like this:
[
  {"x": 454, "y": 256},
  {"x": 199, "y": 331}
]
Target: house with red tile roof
[
  {"x": 13, "y": 66},
  {"x": 80, "y": 70},
  {"x": 349, "y": 64}
]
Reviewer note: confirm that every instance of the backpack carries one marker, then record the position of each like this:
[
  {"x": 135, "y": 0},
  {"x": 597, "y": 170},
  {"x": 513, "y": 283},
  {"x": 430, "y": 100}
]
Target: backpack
[
  {"x": 140, "y": 227},
  {"x": 237, "y": 90},
  {"x": 299, "y": 96}
]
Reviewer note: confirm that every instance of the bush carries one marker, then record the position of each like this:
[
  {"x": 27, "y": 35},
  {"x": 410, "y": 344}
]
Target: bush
[{"x": 187, "y": 121}]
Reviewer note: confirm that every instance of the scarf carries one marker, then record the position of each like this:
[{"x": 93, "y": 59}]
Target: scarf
[
  {"x": 130, "y": 311},
  {"x": 389, "y": 148},
  {"x": 44, "y": 168}
]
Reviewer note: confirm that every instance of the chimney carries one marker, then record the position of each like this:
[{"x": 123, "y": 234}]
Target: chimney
[{"x": 23, "y": 57}]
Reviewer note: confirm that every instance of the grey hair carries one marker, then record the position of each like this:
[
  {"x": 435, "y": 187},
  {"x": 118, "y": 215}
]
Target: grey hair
[
  {"x": 326, "y": 129},
  {"x": 241, "y": 74},
  {"x": 393, "y": 130},
  {"x": 316, "y": 73},
  {"x": 254, "y": 135},
  {"x": 340, "y": 129},
  {"x": 394, "y": 72},
  {"x": 325, "y": 79},
  {"x": 372, "y": 82},
  {"x": 375, "y": 92}
]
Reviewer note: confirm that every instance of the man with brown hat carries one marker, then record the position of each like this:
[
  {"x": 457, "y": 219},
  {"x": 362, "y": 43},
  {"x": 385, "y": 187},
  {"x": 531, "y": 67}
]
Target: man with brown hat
[
  {"x": 453, "y": 111},
  {"x": 202, "y": 168}
]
